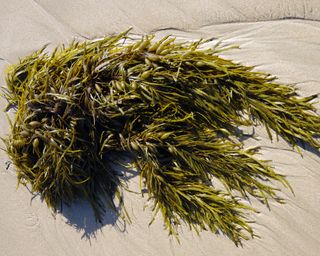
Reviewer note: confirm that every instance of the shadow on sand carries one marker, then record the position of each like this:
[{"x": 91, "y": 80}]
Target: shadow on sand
[{"x": 80, "y": 214}]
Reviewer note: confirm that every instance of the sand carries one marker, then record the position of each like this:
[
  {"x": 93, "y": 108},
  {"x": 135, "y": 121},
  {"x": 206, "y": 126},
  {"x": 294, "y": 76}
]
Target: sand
[{"x": 279, "y": 36}]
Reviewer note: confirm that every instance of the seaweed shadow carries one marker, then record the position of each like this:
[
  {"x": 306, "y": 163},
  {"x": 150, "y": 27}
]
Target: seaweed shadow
[
  {"x": 309, "y": 148},
  {"x": 80, "y": 214}
]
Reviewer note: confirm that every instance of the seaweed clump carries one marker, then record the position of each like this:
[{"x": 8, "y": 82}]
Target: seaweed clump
[{"x": 175, "y": 107}]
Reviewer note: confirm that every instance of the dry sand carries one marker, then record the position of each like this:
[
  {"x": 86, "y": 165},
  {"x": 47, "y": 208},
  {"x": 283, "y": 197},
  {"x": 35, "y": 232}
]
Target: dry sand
[{"x": 288, "y": 48}]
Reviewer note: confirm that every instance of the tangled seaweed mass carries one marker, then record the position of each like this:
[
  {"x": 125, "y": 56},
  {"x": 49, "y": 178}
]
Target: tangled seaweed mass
[{"x": 174, "y": 107}]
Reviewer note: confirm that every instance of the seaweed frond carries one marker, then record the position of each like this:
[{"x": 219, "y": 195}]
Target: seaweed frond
[{"x": 175, "y": 107}]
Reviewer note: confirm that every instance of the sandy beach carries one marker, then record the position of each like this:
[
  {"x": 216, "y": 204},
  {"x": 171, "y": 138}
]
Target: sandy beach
[{"x": 280, "y": 37}]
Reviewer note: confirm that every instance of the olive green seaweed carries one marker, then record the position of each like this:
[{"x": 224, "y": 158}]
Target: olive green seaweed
[{"x": 175, "y": 107}]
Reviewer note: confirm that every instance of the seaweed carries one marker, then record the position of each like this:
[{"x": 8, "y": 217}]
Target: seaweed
[{"x": 175, "y": 107}]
